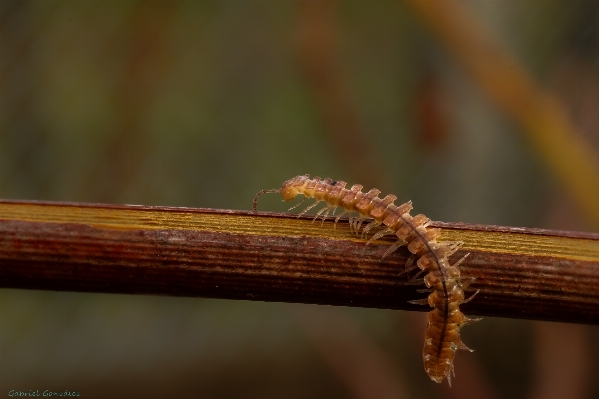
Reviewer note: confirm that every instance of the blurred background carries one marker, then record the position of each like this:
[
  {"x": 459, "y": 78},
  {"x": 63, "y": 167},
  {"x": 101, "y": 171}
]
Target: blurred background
[{"x": 474, "y": 110}]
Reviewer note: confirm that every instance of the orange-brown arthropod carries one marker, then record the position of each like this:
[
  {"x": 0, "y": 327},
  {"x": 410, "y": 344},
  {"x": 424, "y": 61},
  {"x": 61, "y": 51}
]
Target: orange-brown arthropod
[{"x": 445, "y": 285}]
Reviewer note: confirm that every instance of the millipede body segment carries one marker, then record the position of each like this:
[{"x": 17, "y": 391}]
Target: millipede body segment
[{"x": 442, "y": 279}]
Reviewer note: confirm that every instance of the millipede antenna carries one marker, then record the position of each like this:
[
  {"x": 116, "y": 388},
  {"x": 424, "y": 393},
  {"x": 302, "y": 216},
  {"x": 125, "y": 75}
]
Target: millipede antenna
[{"x": 274, "y": 190}]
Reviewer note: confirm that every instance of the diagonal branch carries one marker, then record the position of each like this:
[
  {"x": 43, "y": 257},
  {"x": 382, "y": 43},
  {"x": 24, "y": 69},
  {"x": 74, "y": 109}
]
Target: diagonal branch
[
  {"x": 522, "y": 273},
  {"x": 542, "y": 118}
]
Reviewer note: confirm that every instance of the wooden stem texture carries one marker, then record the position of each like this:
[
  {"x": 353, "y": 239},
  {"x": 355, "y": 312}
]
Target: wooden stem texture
[{"x": 521, "y": 273}]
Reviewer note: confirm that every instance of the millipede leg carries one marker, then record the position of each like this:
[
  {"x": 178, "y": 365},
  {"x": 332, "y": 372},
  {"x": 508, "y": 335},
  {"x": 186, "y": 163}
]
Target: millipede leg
[
  {"x": 327, "y": 213},
  {"x": 417, "y": 281},
  {"x": 469, "y": 299},
  {"x": 410, "y": 261},
  {"x": 380, "y": 234},
  {"x": 408, "y": 270},
  {"x": 298, "y": 204},
  {"x": 409, "y": 266},
  {"x": 337, "y": 218},
  {"x": 308, "y": 208},
  {"x": 461, "y": 260},
  {"x": 449, "y": 377},
  {"x": 419, "y": 301},
  {"x": 319, "y": 212},
  {"x": 463, "y": 346},
  {"x": 393, "y": 248},
  {"x": 455, "y": 246},
  {"x": 356, "y": 221},
  {"x": 351, "y": 223},
  {"x": 415, "y": 276},
  {"x": 369, "y": 226},
  {"x": 470, "y": 321},
  {"x": 466, "y": 281},
  {"x": 359, "y": 224}
]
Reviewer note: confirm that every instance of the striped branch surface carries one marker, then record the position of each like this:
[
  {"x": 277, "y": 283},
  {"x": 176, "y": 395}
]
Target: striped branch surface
[{"x": 521, "y": 272}]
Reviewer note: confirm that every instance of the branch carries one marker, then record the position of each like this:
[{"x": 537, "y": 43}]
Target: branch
[{"x": 522, "y": 273}]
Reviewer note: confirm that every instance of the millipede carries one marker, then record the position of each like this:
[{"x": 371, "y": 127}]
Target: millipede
[{"x": 444, "y": 283}]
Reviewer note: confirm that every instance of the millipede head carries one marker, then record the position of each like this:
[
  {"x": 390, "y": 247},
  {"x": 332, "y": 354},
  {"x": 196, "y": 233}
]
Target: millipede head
[{"x": 289, "y": 189}]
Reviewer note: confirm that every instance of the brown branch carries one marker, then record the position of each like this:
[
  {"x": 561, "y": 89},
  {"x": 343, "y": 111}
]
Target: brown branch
[{"x": 523, "y": 273}]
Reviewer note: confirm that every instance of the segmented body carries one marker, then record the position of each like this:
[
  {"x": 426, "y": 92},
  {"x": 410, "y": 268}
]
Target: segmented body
[{"x": 443, "y": 280}]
